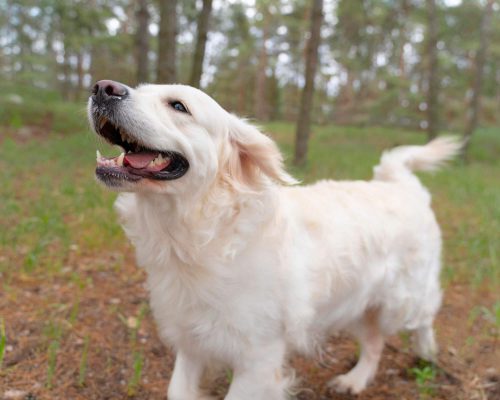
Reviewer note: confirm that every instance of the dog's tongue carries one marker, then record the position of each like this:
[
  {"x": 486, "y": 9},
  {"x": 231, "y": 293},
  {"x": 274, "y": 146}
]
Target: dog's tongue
[{"x": 139, "y": 160}]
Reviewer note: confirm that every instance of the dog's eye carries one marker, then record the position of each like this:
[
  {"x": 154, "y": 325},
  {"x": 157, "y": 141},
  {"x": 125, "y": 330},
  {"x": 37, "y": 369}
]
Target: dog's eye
[{"x": 178, "y": 106}]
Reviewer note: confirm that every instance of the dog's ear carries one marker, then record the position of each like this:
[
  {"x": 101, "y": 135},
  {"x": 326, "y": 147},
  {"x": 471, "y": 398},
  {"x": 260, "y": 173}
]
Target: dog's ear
[{"x": 252, "y": 156}]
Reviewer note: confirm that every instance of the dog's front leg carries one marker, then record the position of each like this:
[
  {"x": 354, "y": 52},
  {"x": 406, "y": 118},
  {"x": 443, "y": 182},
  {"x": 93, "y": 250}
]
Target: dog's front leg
[
  {"x": 185, "y": 381},
  {"x": 259, "y": 374}
]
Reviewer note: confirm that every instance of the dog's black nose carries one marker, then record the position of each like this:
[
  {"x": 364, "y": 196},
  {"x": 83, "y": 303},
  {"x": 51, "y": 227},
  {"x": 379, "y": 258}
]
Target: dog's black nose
[{"x": 107, "y": 88}]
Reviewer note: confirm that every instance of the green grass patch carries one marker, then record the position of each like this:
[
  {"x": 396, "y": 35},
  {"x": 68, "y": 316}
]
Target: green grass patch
[
  {"x": 82, "y": 370},
  {"x": 3, "y": 341},
  {"x": 425, "y": 376}
]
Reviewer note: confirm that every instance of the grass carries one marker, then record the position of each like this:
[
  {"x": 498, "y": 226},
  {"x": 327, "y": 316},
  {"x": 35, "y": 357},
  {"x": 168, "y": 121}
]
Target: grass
[
  {"x": 52, "y": 361},
  {"x": 425, "y": 376},
  {"x": 134, "y": 324},
  {"x": 3, "y": 341},
  {"x": 82, "y": 371}
]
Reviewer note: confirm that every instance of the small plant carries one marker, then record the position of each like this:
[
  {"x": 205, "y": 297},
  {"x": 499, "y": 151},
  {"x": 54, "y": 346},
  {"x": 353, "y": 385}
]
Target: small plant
[
  {"x": 493, "y": 317},
  {"x": 134, "y": 381},
  {"x": 74, "y": 311},
  {"x": 82, "y": 372},
  {"x": 53, "y": 331},
  {"x": 3, "y": 341},
  {"x": 134, "y": 324},
  {"x": 425, "y": 376},
  {"x": 52, "y": 360}
]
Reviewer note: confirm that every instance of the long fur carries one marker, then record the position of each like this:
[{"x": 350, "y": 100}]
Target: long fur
[{"x": 244, "y": 268}]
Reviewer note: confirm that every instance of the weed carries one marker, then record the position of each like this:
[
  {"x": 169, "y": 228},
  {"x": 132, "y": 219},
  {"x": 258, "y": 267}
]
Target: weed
[
  {"x": 134, "y": 381},
  {"x": 52, "y": 361},
  {"x": 491, "y": 316},
  {"x": 425, "y": 374},
  {"x": 74, "y": 311},
  {"x": 82, "y": 371},
  {"x": 134, "y": 325},
  {"x": 3, "y": 341}
]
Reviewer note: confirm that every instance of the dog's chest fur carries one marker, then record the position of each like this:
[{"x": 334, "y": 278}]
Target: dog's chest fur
[{"x": 191, "y": 276}]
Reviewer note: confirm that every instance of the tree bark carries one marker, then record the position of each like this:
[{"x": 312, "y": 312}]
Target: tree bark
[
  {"x": 432, "y": 71},
  {"x": 201, "y": 42},
  {"x": 306, "y": 101},
  {"x": 474, "y": 106},
  {"x": 80, "y": 73},
  {"x": 261, "y": 106},
  {"x": 142, "y": 41},
  {"x": 166, "y": 72}
]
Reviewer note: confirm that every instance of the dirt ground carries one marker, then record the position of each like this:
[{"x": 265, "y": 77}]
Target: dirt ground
[{"x": 99, "y": 314}]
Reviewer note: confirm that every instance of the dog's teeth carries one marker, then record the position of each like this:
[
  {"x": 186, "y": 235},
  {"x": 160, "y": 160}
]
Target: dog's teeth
[
  {"x": 119, "y": 160},
  {"x": 102, "y": 122},
  {"x": 98, "y": 155}
]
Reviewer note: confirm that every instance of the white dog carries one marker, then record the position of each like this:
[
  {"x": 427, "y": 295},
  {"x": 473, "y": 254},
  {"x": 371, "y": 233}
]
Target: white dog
[{"x": 242, "y": 266}]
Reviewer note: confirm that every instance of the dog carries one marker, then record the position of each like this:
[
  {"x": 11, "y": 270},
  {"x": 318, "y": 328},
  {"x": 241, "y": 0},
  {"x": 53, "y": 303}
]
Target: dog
[{"x": 244, "y": 265}]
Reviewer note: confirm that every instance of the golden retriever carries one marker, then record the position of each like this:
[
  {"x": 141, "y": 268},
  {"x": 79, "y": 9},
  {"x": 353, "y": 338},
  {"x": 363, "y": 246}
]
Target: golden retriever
[{"x": 243, "y": 264}]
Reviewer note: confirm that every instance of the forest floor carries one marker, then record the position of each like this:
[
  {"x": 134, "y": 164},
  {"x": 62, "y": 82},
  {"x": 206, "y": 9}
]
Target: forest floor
[{"x": 74, "y": 315}]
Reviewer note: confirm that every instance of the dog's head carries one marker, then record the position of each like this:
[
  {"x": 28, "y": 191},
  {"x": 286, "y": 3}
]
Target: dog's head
[{"x": 177, "y": 139}]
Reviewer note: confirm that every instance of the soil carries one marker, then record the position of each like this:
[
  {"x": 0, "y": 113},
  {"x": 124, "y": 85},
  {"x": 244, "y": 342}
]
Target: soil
[{"x": 100, "y": 297}]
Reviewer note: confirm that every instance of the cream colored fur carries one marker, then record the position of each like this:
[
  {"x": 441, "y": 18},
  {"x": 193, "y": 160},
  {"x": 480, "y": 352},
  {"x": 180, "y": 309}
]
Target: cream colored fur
[{"x": 242, "y": 269}]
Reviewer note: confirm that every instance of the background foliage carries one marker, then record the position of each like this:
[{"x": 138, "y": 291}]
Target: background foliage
[{"x": 372, "y": 55}]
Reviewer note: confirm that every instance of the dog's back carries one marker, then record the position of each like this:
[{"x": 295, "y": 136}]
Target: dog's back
[{"x": 373, "y": 253}]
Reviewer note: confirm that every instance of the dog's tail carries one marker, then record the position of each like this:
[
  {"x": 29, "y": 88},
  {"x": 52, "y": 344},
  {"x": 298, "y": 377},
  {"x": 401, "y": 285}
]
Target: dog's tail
[{"x": 399, "y": 163}]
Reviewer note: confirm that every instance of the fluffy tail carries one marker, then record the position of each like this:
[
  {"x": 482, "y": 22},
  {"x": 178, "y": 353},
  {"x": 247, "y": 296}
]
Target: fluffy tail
[{"x": 399, "y": 163}]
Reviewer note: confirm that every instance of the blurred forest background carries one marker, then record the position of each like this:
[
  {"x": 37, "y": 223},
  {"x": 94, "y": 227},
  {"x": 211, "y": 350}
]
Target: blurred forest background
[{"x": 420, "y": 64}]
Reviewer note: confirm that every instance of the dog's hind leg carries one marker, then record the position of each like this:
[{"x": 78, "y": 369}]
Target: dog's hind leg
[
  {"x": 371, "y": 340},
  {"x": 425, "y": 343}
]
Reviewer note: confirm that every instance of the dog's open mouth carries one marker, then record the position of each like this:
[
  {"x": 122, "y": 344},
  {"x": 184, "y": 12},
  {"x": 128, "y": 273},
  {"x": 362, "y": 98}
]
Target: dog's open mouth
[{"x": 136, "y": 161}]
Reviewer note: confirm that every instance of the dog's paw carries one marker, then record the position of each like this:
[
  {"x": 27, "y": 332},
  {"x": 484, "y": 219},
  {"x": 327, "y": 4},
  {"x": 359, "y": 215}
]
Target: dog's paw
[{"x": 348, "y": 383}]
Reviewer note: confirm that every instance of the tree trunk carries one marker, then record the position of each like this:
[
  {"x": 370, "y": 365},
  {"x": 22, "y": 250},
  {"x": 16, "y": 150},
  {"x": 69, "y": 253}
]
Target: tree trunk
[
  {"x": 66, "y": 68},
  {"x": 80, "y": 73},
  {"x": 473, "y": 112},
  {"x": 166, "y": 42},
  {"x": 306, "y": 101},
  {"x": 404, "y": 13},
  {"x": 142, "y": 41},
  {"x": 432, "y": 71},
  {"x": 201, "y": 41},
  {"x": 261, "y": 107}
]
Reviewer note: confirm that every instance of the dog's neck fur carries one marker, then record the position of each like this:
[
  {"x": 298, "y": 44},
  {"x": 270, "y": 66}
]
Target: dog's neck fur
[{"x": 189, "y": 229}]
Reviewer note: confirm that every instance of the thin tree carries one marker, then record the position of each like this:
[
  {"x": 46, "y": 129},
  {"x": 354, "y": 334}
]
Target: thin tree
[
  {"x": 142, "y": 41},
  {"x": 201, "y": 42},
  {"x": 473, "y": 112},
  {"x": 166, "y": 71},
  {"x": 432, "y": 71},
  {"x": 260, "y": 100},
  {"x": 306, "y": 101}
]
